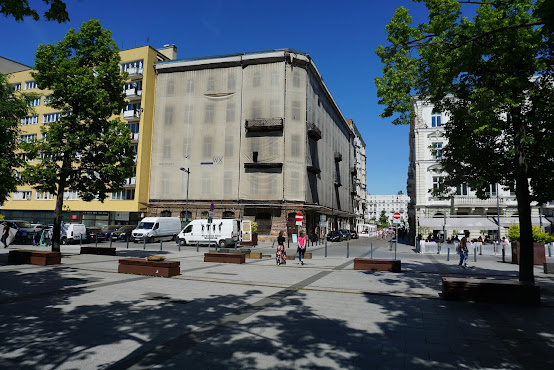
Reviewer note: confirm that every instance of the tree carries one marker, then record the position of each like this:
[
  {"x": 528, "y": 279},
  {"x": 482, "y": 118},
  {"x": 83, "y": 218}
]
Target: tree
[
  {"x": 19, "y": 9},
  {"x": 86, "y": 150},
  {"x": 14, "y": 107},
  {"x": 383, "y": 219},
  {"x": 492, "y": 76}
]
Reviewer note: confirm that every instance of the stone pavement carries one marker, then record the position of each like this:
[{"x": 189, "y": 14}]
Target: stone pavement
[{"x": 82, "y": 314}]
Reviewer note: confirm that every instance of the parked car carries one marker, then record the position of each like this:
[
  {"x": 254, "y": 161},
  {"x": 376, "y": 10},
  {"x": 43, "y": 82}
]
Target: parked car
[
  {"x": 95, "y": 233},
  {"x": 25, "y": 232},
  {"x": 354, "y": 234},
  {"x": 72, "y": 233},
  {"x": 123, "y": 233},
  {"x": 108, "y": 230},
  {"x": 335, "y": 236},
  {"x": 224, "y": 232},
  {"x": 345, "y": 234},
  {"x": 157, "y": 228}
]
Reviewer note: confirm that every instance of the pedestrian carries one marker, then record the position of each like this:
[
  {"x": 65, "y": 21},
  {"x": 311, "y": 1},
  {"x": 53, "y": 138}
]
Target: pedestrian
[
  {"x": 301, "y": 247},
  {"x": 281, "y": 256},
  {"x": 5, "y": 234},
  {"x": 463, "y": 251}
]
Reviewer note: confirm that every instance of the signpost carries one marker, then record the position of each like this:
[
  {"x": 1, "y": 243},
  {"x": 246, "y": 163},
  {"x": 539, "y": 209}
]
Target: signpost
[
  {"x": 299, "y": 218},
  {"x": 396, "y": 221}
]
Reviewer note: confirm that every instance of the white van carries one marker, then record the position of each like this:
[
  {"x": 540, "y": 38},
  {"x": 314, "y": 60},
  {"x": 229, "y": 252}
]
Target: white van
[
  {"x": 157, "y": 228},
  {"x": 71, "y": 233},
  {"x": 224, "y": 232}
]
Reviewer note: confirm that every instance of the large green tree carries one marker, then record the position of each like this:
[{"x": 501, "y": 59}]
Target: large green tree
[
  {"x": 13, "y": 107},
  {"x": 86, "y": 150},
  {"x": 492, "y": 74},
  {"x": 19, "y": 9}
]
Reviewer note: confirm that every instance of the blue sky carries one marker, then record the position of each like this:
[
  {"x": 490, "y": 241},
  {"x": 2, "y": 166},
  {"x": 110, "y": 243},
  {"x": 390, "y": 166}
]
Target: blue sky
[{"x": 340, "y": 36}]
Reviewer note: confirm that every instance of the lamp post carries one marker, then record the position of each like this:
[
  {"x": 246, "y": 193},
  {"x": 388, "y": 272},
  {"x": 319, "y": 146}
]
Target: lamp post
[
  {"x": 498, "y": 210},
  {"x": 187, "y": 170}
]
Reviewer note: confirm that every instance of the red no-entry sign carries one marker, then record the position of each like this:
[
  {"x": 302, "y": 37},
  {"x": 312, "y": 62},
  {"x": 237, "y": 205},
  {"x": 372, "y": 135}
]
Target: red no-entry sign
[
  {"x": 299, "y": 217},
  {"x": 396, "y": 216}
]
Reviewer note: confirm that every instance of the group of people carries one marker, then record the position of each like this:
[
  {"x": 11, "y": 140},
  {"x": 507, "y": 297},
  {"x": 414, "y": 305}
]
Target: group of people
[{"x": 281, "y": 254}]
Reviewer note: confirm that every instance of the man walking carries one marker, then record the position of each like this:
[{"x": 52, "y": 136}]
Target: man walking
[
  {"x": 5, "y": 234},
  {"x": 464, "y": 251}
]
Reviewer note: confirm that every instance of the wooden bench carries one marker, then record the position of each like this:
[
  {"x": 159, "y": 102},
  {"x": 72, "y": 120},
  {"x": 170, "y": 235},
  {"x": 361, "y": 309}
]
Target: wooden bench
[
  {"x": 41, "y": 258},
  {"x": 548, "y": 267},
  {"x": 490, "y": 291},
  {"x": 377, "y": 265},
  {"x": 140, "y": 266},
  {"x": 104, "y": 251},
  {"x": 224, "y": 257}
]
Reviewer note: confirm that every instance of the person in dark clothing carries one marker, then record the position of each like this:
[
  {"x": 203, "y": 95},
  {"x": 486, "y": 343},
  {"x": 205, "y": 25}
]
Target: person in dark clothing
[
  {"x": 5, "y": 234},
  {"x": 281, "y": 256}
]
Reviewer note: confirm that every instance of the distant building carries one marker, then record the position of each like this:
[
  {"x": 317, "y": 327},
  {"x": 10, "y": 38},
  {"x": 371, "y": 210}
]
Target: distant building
[
  {"x": 390, "y": 203},
  {"x": 122, "y": 207},
  {"x": 463, "y": 212},
  {"x": 262, "y": 138},
  {"x": 360, "y": 176}
]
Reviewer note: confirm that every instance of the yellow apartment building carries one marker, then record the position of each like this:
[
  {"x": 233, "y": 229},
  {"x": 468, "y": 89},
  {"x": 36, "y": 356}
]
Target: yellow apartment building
[{"x": 127, "y": 206}]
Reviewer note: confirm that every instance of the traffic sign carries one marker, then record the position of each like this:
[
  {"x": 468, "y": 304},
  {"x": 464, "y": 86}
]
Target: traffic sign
[
  {"x": 299, "y": 217},
  {"x": 396, "y": 216}
]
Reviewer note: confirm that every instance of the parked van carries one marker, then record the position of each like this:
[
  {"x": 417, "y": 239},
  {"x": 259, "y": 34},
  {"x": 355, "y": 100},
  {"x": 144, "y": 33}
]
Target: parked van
[
  {"x": 224, "y": 232},
  {"x": 157, "y": 228},
  {"x": 71, "y": 233}
]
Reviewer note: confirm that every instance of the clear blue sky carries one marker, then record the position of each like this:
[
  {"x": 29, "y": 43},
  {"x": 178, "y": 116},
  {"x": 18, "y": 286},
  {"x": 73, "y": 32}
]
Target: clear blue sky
[{"x": 340, "y": 36}]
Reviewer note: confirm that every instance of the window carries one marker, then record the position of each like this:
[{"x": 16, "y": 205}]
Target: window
[
  {"x": 16, "y": 86},
  {"x": 22, "y": 195},
  {"x": 211, "y": 84},
  {"x": 275, "y": 78},
  {"x": 206, "y": 182},
  {"x": 295, "y": 110},
  {"x": 167, "y": 148},
  {"x": 52, "y": 117},
  {"x": 165, "y": 183},
  {"x": 35, "y": 102},
  {"x": 190, "y": 86},
  {"x": 437, "y": 181},
  {"x": 436, "y": 150},
  {"x": 47, "y": 99},
  {"x": 254, "y": 188},
  {"x": 170, "y": 88},
  {"x": 70, "y": 195},
  {"x": 187, "y": 147},
  {"x": 492, "y": 190},
  {"x": 256, "y": 109},
  {"x": 134, "y": 67},
  {"x": 43, "y": 195},
  {"x": 231, "y": 82},
  {"x": 207, "y": 147},
  {"x": 133, "y": 127},
  {"x": 230, "y": 116},
  {"x": 461, "y": 189},
  {"x": 435, "y": 120},
  {"x": 295, "y": 145},
  {"x": 32, "y": 120},
  {"x": 188, "y": 114},
  {"x": 227, "y": 184},
  {"x": 209, "y": 113},
  {"x": 30, "y": 85},
  {"x": 165, "y": 213},
  {"x": 275, "y": 108},
  {"x": 228, "y": 214},
  {"x": 229, "y": 140},
  {"x": 29, "y": 138},
  {"x": 294, "y": 181},
  {"x": 127, "y": 194},
  {"x": 168, "y": 115},
  {"x": 256, "y": 79},
  {"x": 296, "y": 79}
]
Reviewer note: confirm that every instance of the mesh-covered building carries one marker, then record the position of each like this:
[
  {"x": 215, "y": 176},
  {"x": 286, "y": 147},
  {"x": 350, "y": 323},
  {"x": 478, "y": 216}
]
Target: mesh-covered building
[{"x": 261, "y": 137}]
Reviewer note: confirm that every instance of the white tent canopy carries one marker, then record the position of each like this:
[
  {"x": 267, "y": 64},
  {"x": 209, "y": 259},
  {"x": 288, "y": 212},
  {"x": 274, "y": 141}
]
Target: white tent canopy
[{"x": 482, "y": 223}]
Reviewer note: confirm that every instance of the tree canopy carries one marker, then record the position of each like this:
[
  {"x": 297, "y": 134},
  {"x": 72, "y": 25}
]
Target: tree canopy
[
  {"x": 19, "y": 9},
  {"x": 492, "y": 76},
  {"x": 86, "y": 150}
]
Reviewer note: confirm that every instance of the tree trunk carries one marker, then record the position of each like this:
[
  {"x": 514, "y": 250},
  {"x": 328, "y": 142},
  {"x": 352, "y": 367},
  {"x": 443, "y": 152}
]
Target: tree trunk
[{"x": 58, "y": 211}]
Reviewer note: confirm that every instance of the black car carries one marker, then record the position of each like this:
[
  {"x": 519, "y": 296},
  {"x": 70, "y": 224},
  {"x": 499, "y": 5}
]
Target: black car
[
  {"x": 354, "y": 234},
  {"x": 123, "y": 233},
  {"x": 345, "y": 234},
  {"x": 108, "y": 230},
  {"x": 95, "y": 233},
  {"x": 335, "y": 236}
]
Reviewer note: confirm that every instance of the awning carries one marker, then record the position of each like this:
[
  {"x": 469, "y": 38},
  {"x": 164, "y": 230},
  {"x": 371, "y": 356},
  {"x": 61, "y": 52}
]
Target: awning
[
  {"x": 509, "y": 221},
  {"x": 463, "y": 223}
]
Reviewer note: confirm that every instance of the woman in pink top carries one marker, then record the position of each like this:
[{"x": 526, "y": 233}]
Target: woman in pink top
[{"x": 301, "y": 247}]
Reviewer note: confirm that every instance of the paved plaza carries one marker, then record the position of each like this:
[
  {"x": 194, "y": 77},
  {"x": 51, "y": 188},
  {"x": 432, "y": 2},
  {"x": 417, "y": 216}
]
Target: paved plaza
[{"x": 82, "y": 314}]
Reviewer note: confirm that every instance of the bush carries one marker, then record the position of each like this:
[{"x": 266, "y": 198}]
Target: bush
[
  {"x": 539, "y": 236},
  {"x": 254, "y": 226}
]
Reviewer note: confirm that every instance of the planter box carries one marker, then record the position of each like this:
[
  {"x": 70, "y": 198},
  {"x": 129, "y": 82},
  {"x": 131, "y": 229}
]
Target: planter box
[
  {"x": 377, "y": 265},
  {"x": 224, "y": 257},
  {"x": 41, "y": 258},
  {"x": 140, "y": 266},
  {"x": 104, "y": 251},
  {"x": 490, "y": 291},
  {"x": 539, "y": 256}
]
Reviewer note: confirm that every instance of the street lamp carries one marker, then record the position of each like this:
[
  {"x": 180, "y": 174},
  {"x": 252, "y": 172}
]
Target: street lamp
[{"x": 187, "y": 170}]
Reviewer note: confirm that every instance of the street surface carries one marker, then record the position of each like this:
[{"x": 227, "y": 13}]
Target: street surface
[{"x": 82, "y": 314}]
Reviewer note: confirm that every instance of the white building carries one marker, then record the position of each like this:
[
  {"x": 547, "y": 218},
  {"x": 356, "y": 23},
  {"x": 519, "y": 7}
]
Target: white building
[
  {"x": 360, "y": 173},
  {"x": 463, "y": 212},
  {"x": 390, "y": 203}
]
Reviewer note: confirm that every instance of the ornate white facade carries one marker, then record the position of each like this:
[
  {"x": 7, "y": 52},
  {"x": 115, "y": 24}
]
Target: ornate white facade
[{"x": 390, "y": 203}]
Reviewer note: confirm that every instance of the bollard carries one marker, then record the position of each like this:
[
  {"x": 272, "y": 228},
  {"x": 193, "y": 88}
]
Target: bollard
[
  {"x": 326, "y": 248},
  {"x": 481, "y": 249},
  {"x": 128, "y": 239},
  {"x": 371, "y": 251},
  {"x": 178, "y": 244},
  {"x": 475, "y": 254},
  {"x": 144, "y": 243},
  {"x": 347, "y": 249},
  {"x": 503, "y": 254},
  {"x": 448, "y": 254},
  {"x": 438, "y": 248},
  {"x": 288, "y": 243},
  {"x": 111, "y": 240},
  {"x": 81, "y": 239},
  {"x": 197, "y": 246},
  {"x": 161, "y": 244},
  {"x": 235, "y": 245},
  {"x": 96, "y": 237},
  {"x": 550, "y": 250}
]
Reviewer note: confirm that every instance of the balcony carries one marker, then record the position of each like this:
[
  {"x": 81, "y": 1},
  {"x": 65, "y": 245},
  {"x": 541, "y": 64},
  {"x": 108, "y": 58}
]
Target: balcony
[
  {"x": 135, "y": 73},
  {"x": 132, "y": 115},
  {"x": 134, "y": 136},
  {"x": 133, "y": 94},
  {"x": 131, "y": 181},
  {"x": 262, "y": 165},
  {"x": 338, "y": 157},
  {"x": 313, "y": 131},
  {"x": 270, "y": 124}
]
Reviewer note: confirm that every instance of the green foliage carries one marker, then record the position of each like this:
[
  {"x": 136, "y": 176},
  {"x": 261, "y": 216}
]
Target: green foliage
[
  {"x": 19, "y": 9},
  {"x": 86, "y": 150},
  {"x": 539, "y": 236},
  {"x": 383, "y": 219},
  {"x": 254, "y": 227},
  {"x": 13, "y": 108}
]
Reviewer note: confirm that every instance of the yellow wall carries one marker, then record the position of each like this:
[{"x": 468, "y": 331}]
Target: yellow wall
[{"x": 149, "y": 56}]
